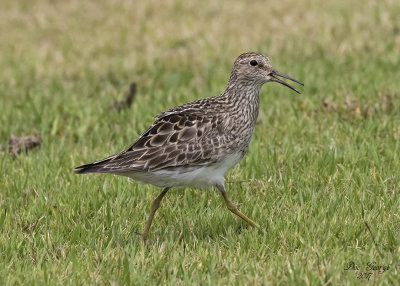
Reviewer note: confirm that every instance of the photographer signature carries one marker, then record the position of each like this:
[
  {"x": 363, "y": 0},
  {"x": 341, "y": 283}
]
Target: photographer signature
[{"x": 371, "y": 268}]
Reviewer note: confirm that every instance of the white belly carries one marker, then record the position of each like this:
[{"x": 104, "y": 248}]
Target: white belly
[{"x": 199, "y": 176}]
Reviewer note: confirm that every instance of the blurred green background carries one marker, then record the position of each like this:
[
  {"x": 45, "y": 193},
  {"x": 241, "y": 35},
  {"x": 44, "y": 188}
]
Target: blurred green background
[{"x": 322, "y": 173}]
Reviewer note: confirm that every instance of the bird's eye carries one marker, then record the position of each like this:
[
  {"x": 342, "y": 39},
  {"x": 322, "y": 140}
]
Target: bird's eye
[{"x": 253, "y": 63}]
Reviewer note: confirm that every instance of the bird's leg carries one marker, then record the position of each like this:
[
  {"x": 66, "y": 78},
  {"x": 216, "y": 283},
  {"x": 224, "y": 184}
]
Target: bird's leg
[
  {"x": 154, "y": 206},
  {"x": 233, "y": 208}
]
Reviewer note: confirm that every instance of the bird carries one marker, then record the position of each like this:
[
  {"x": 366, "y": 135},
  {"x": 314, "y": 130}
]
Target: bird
[{"x": 194, "y": 144}]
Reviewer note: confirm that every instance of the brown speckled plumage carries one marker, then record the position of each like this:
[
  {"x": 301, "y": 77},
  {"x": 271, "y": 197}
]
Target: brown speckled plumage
[{"x": 197, "y": 135}]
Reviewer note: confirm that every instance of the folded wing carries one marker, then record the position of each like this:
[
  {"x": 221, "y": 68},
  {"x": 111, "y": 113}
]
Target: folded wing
[{"x": 177, "y": 139}]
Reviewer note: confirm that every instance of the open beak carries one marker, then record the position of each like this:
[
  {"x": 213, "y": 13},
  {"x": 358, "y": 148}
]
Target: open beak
[{"x": 278, "y": 73}]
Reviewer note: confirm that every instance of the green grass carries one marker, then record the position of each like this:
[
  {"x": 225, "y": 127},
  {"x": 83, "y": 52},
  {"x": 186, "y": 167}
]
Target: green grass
[{"x": 322, "y": 173}]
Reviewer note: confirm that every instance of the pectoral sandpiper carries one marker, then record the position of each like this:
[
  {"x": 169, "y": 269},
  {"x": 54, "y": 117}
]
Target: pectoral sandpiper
[{"x": 194, "y": 144}]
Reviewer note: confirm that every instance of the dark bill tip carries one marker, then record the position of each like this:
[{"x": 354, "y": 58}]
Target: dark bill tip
[
  {"x": 278, "y": 73},
  {"x": 283, "y": 83}
]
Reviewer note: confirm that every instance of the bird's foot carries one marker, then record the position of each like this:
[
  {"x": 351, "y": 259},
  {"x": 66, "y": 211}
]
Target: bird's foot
[{"x": 143, "y": 236}]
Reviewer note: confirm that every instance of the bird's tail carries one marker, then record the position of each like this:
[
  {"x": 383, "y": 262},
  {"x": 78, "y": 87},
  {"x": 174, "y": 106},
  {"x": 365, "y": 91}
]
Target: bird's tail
[
  {"x": 88, "y": 168},
  {"x": 95, "y": 167}
]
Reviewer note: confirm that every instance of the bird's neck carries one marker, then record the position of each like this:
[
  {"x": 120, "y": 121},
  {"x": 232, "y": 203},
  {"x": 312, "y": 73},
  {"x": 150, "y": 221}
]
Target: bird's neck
[{"x": 244, "y": 97}]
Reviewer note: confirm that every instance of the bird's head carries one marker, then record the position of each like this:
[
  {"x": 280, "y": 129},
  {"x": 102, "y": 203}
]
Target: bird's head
[{"x": 256, "y": 68}]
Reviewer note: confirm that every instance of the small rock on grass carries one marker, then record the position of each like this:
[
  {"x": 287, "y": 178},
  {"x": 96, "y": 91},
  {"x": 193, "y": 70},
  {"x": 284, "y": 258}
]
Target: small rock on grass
[
  {"x": 16, "y": 145},
  {"x": 127, "y": 102}
]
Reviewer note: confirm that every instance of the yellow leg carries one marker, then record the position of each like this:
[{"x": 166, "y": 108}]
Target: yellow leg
[
  {"x": 233, "y": 208},
  {"x": 154, "y": 206}
]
